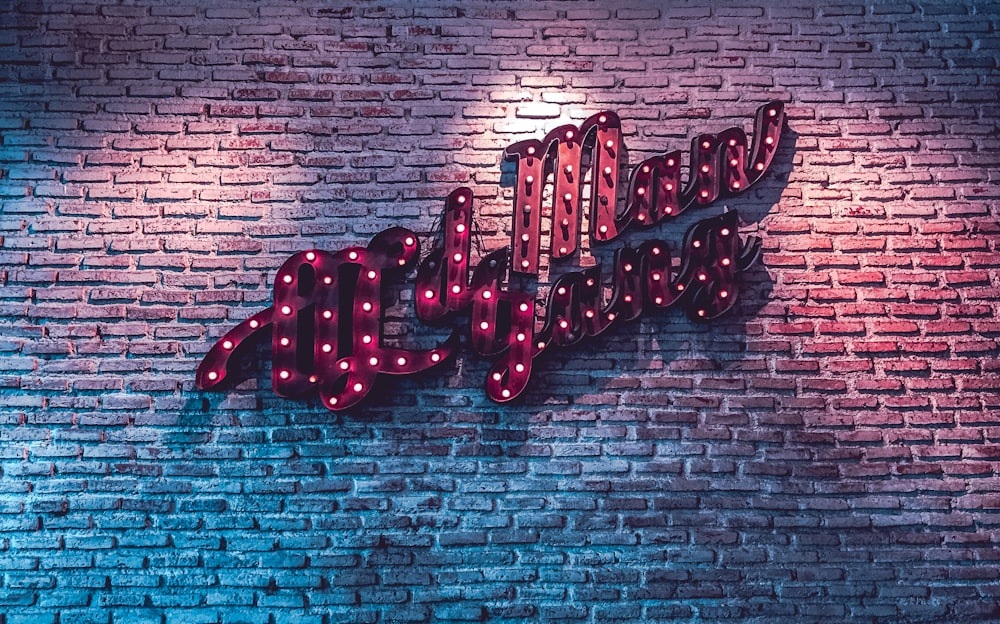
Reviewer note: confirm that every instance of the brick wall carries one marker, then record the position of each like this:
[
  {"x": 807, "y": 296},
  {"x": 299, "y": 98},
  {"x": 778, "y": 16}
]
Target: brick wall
[{"x": 828, "y": 451}]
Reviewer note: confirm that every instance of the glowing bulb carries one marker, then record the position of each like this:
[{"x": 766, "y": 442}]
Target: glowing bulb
[
  {"x": 254, "y": 324},
  {"x": 704, "y": 193},
  {"x": 284, "y": 374},
  {"x": 723, "y": 293},
  {"x": 645, "y": 168},
  {"x": 372, "y": 275},
  {"x": 373, "y": 361},
  {"x": 568, "y": 196},
  {"x": 457, "y": 257},
  {"x": 333, "y": 400},
  {"x": 366, "y": 339},
  {"x": 529, "y": 179},
  {"x": 328, "y": 348},
  {"x": 561, "y": 291},
  {"x": 327, "y": 280},
  {"x": 607, "y": 171},
  {"x": 213, "y": 375},
  {"x": 525, "y": 263},
  {"x": 640, "y": 191},
  {"x": 669, "y": 187},
  {"x": 569, "y": 169},
  {"x": 366, "y": 306},
  {"x": 760, "y": 166},
  {"x": 628, "y": 298},
  {"x": 706, "y": 145},
  {"x": 564, "y": 323},
  {"x": 344, "y": 366},
  {"x": 603, "y": 229},
  {"x": 602, "y": 119},
  {"x": 670, "y": 162},
  {"x": 569, "y": 135},
  {"x": 701, "y": 313},
  {"x": 460, "y": 228},
  {"x": 627, "y": 267},
  {"x": 313, "y": 378},
  {"x": 497, "y": 376},
  {"x": 456, "y": 289},
  {"x": 611, "y": 316},
  {"x": 656, "y": 277},
  {"x": 702, "y": 277},
  {"x": 519, "y": 368},
  {"x": 428, "y": 294},
  {"x": 487, "y": 294},
  {"x": 609, "y": 144},
  {"x": 531, "y": 150},
  {"x": 327, "y": 314},
  {"x": 524, "y": 307},
  {"x": 656, "y": 251},
  {"x": 435, "y": 357},
  {"x": 484, "y": 326},
  {"x": 525, "y": 237},
  {"x": 680, "y": 287},
  {"x": 358, "y": 387},
  {"x": 668, "y": 210},
  {"x": 227, "y": 344},
  {"x": 589, "y": 313},
  {"x": 769, "y": 140},
  {"x": 541, "y": 345},
  {"x": 736, "y": 185},
  {"x": 286, "y": 310},
  {"x": 696, "y": 244},
  {"x": 287, "y": 279},
  {"x": 521, "y": 337},
  {"x": 461, "y": 199},
  {"x": 732, "y": 142},
  {"x": 565, "y": 222},
  {"x": 726, "y": 261},
  {"x": 563, "y": 251},
  {"x": 724, "y": 231},
  {"x": 285, "y": 342},
  {"x": 408, "y": 241},
  {"x": 310, "y": 256},
  {"x": 353, "y": 255},
  {"x": 733, "y": 162},
  {"x": 771, "y": 112},
  {"x": 658, "y": 300},
  {"x": 401, "y": 361},
  {"x": 505, "y": 393}
]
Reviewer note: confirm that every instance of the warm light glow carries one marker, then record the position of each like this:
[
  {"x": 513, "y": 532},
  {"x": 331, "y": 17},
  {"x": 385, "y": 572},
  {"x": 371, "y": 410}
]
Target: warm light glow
[
  {"x": 409, "y": 241},
  {"x": 287, "y": 279},
  {"x": 213, "y": 375},
  {"x": 603, "y": 229},
  {"x": 656, "y": 251},
  {"x": 327, "y": 280},
  {"x": 760, "y": 166},
  {"x": 645, "y": 168},
  {"x": 706, "y": 145},
  {"x": 669, "y": 187},
  {"x": 701, "y": 313},
  {"x": 670, "y": 162},
  {"x": 541, "y": 345},
  {"x": 525, "y": 237},
  {"x": 704, "y": 193},
  {"x": 569, "y": 135},
  {"x": 561, "y": 291},
  {"x": 563, "y": 251},
  {"x": 589, "y": 313},
  {"x": 640, "y": 191},
  {"x": 724, "y": 231},
  {"x": 627, "y": 267},
  {"x": 564, "y": 323},
  {"x": 771, "y": 112},
  {"x": 457, "y": 257},
  {"x": 435, "y": 357},
  {"x": 702, "y": 277},
  {"x": 366, "y": 339},
  {"x": 519, "y": 368},
  {"x": 607, "y": 171},
  {"x": 736, "y": 185},
  {"x": 723, "y": 293},
  {"x": 313, "y": 378},
  {"x": 611, "y": 316},
  {"x": 590, "y": 282},
  {"x": 328, "y": 348},
  {"x": 602, "y": 119},
  {"x": 569, "y": 169},
  {"x": 353, "y": 255},
  {"x": 484, "y": 326},
  {"x": 366, "y": 306},
  {"x": 254, "y": 324},
  {"x": 460, "y": 228},
  {"x": 401, "y": 361},
  {"x": 372, "y": 275},
  {"x": 487, "y": 294},
  {"x": 696, "y": 244},
  {"x": 505, "y": 393},
  {"x": 628, "y": 298},
  {"x": 461, "y": 199},
  {"x": 228, "y": 344},
  {"x": 284, "y": 374},
  {"x": 333, "y": 400},
  {"x": 656, "y": 277},
  {"x": 531, "y": 150},
  {"x": 428, "y": 294},
  {"x": 609, "y": 144},
  {"x": 734, "y": 162},
  {"x": 310, "y": 256},
  {"x": 285, "y": 342},
  {"x": 358, "y": 387},
  {"x": 286, "y": 310},
  {"x": 568, "y": 196},
  {"x": 497, "y": 376},
  {"x": 525, "y": 263},
  {"x": 456, "y": 289},
  {"x": 327, "y": 314},
  {"x": 529, "y": 179},
  {"x": 726, "y": 261},
  {"x": 344, "y": 366},
  {"x": 658, "y": 300},
  {"x": 680, "y": 286},
  {"x": 769, "y": 140},
  {"x": 732, "y": 142},
  {"x": 373, "y": 361},
  {"x": 521, "y": 337}
]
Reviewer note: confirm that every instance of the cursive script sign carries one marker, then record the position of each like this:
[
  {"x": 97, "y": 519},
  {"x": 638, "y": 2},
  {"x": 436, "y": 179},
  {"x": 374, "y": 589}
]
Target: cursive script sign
[{"x": 326, "y": 319}]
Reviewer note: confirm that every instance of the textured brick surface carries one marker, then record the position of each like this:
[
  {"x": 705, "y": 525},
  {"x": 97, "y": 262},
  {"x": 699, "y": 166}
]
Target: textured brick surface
[{"x": 829, "y": 452}]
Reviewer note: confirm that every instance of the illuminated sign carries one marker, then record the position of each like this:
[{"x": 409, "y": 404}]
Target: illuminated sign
[{"x": 326, "y": 321}]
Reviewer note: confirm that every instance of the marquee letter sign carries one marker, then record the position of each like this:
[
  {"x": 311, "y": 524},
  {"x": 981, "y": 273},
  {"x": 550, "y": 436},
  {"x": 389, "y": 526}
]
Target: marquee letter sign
[{"x": 326, "y": 319}]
